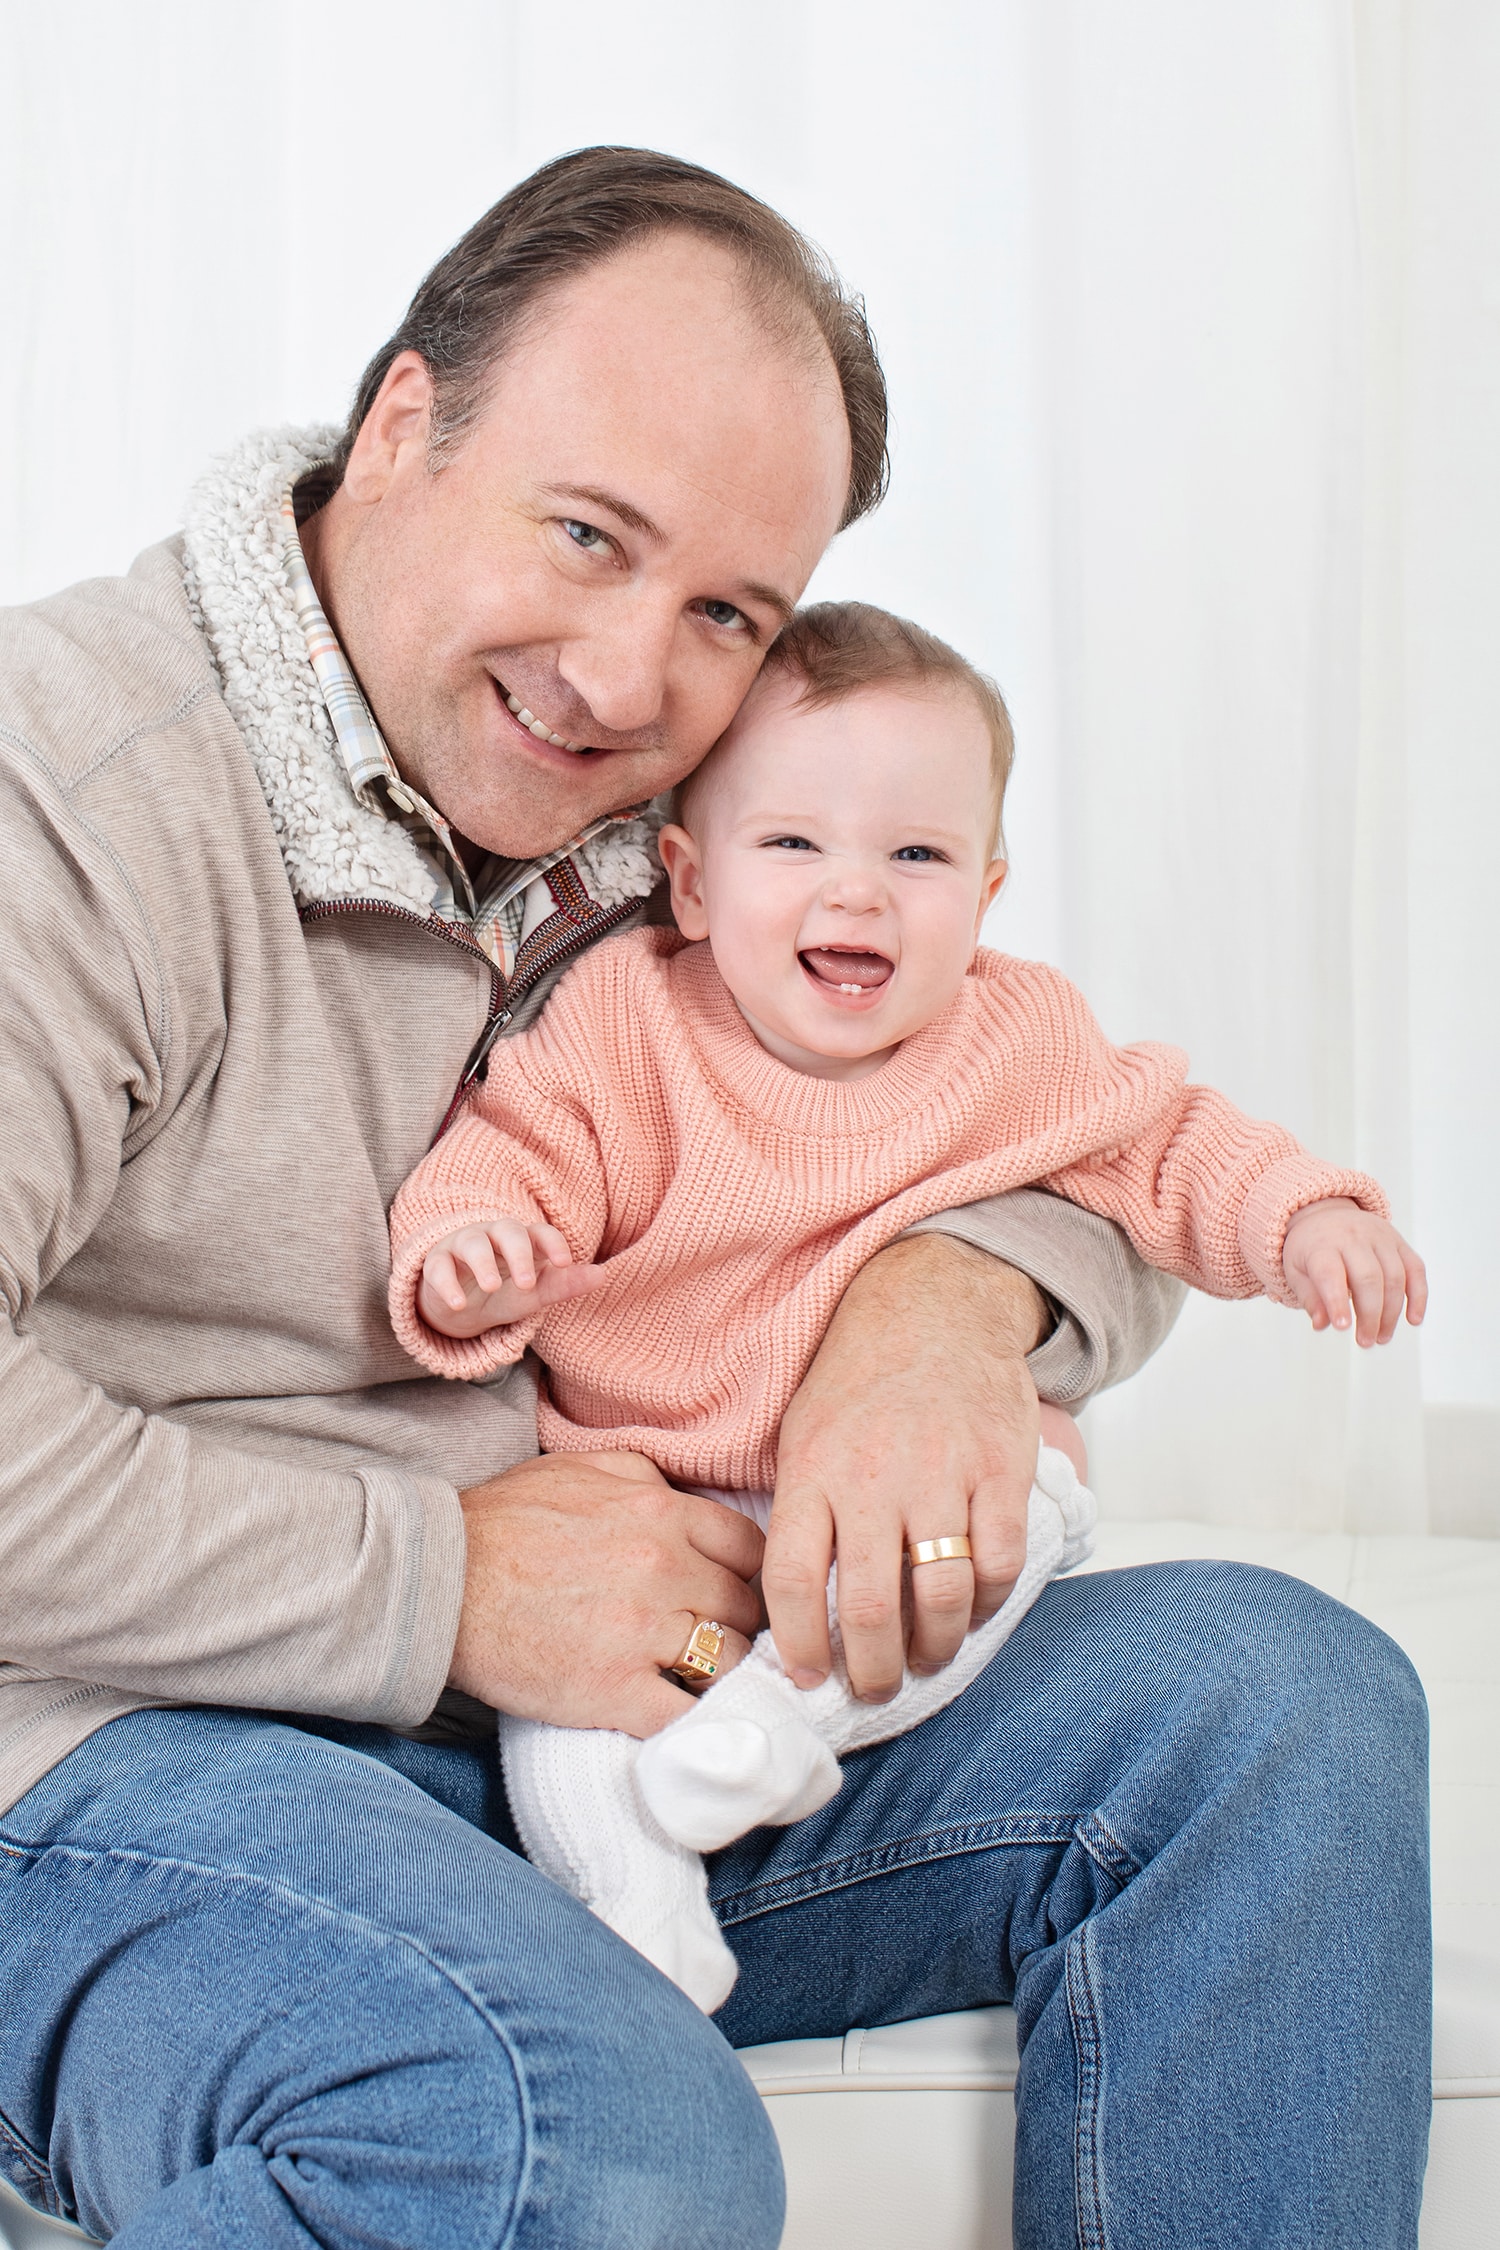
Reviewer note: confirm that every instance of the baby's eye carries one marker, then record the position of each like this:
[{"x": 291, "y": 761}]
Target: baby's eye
[
  {"x": 914, "y": 854},
  {"x": 789, "y": 844},
  {"x": 588, "y": 536}
]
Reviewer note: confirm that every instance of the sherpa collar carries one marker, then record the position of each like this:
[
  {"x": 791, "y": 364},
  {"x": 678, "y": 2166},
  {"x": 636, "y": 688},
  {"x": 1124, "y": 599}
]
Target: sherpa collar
[{"x": 336, "y": 847}]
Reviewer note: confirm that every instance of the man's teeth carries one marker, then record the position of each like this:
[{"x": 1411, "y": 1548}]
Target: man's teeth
[{"x": 538, "y": 727}]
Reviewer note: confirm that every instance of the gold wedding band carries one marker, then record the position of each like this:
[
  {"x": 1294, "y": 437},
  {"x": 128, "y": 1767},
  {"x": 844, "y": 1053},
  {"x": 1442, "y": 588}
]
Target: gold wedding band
[
  {"x": 939, "y": 1550},
  {"x": 699, "y": 1661}
]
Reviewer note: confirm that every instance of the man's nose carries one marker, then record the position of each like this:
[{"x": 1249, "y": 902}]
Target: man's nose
[{"x": 619, "y": 667}]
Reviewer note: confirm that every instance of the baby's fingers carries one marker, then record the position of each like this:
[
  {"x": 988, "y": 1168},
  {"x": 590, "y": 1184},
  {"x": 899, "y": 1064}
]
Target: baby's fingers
[
  {"x": 552, "y": 1245},
  {"x": 471, "y": 1247},
  {"x": 1376, "y": 1311},
  {"x": 440, "y": 1275},
  {"x": 1322, "y": 1289},
  {"x": 1414, "y": 1274},
  {"x": 512, "y": 1238}
]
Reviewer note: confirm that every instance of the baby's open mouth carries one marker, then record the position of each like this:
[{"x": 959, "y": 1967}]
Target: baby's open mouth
[{"x": 847, "y": 971}]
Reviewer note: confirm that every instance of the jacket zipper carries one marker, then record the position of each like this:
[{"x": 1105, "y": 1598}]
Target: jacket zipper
[{"x": 537, "y": 963}]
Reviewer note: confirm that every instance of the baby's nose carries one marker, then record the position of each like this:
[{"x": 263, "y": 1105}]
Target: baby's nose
[{"x": 856, "y": 890}]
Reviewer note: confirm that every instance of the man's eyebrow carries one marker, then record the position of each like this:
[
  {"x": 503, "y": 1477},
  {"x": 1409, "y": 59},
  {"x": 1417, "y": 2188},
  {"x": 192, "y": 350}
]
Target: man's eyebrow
[
  {"x": 635, "y": 520},
  {"x": 784, "y": 609}
]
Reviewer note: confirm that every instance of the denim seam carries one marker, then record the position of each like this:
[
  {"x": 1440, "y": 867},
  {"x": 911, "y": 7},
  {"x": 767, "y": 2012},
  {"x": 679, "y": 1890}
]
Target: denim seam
[
  {"x": 1097, "y": 1838},
  {"x": 338, "y": 1915},
  {"x": 1014, "y": 1830},
  {"x": 36, "y": 2165},
  {"x": 1088, "y": 2046}
]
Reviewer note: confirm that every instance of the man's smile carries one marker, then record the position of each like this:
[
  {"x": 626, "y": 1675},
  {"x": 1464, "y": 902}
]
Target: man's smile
[{"x": 537, "y": 728}]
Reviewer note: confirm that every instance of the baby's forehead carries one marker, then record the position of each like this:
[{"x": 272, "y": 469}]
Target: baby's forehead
[
  {"x": 781, "y": 697},
  {"x": 930, "y": 729},
  {"x": 907, "y": 744}
]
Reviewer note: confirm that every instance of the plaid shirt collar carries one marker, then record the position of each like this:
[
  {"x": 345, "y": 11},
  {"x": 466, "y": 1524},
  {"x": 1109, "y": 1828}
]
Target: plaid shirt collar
[{"x": 507, "y": 898}]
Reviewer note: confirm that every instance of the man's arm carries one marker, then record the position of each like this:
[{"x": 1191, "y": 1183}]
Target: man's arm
[
  {"x": 140, "y": 1559},
  {"x": 134, "y": 1553},
  {"x": 1110, "y": 1310}
]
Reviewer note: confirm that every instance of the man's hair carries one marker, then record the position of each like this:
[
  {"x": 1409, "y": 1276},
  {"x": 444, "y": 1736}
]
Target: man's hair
[
  {"x": 832, "y": 650},
  {"x": 581, "y": 210}
]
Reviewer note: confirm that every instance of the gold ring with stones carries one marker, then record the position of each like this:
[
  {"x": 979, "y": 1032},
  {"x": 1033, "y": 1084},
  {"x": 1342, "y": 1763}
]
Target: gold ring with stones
[{"x": 699, "y": 1661}]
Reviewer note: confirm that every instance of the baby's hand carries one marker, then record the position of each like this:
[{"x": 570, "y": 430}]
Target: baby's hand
[
  {"x": 481, "y": 1277},
  {"x": 1334, "y": 1251}
]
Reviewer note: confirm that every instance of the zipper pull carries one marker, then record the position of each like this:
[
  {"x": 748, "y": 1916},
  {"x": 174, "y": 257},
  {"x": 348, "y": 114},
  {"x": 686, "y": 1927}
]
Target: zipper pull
[
  {"x": 477, "y": 1067},
  {"x": 478, "y": 1064}
]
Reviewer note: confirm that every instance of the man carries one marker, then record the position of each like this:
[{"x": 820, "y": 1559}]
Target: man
[{"x": 300, "y": 816}]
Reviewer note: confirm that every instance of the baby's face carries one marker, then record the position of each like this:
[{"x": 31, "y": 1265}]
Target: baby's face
[{"x": 840, "y": 866}]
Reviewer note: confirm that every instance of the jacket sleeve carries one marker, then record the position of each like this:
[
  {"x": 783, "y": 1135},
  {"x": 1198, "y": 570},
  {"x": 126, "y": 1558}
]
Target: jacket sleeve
[
  {"x": 134, "y": 1553},
  {"x": 525, "y": 1149},
  {"x": 1110, "y": 1309}
]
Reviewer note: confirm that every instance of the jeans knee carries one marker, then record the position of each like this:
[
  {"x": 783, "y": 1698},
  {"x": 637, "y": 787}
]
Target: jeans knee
[{"x": 1299, "y": 1651}]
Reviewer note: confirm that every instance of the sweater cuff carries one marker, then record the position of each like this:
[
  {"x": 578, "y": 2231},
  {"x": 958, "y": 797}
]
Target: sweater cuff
[
  {"x": 423, "y": 1650},
  {"x": 461, "y": 1359},
  {"x": 1284, "y": 1189}
]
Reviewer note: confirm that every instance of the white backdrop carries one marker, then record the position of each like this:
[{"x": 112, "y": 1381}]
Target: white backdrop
[{"x": 1192, "y": 318}]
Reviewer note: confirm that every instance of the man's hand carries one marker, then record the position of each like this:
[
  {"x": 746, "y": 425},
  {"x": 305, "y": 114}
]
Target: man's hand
[
  {"x": 483, "y": 1277},
  {"x": 1334, "y": 1251},
  {"x": 586, "y": 1573},
  {"x": 917, "y": 1420}
]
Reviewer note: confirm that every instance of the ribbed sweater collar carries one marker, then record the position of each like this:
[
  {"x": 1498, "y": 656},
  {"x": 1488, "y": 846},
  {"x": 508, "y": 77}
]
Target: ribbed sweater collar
[{"x": 773, "y": 1094}]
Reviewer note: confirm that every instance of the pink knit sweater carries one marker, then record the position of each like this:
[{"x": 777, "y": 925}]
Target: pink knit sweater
[{"x": 733, "y": 1199}]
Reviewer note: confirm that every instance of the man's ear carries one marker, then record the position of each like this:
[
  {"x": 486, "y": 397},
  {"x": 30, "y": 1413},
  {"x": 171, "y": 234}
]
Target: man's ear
[
  {"x": 683, "y": 862},
  {"x": 398, "y": 422},
  {"x": 990, "y": 889}
]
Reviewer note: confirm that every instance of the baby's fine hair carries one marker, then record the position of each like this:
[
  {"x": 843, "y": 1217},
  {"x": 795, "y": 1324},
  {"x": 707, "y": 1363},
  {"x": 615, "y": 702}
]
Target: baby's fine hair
[{"x": 834, "y": 649}]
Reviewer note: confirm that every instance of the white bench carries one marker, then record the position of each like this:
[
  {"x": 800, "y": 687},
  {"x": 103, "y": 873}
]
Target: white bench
[{"x": 904, "y": 2135}]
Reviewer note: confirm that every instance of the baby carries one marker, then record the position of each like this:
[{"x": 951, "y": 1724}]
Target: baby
[{"x": 665, "y": 1186}]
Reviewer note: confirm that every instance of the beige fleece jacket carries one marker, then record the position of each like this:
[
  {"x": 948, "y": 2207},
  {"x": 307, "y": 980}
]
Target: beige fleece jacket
[{"x": 221, "y": 1479}]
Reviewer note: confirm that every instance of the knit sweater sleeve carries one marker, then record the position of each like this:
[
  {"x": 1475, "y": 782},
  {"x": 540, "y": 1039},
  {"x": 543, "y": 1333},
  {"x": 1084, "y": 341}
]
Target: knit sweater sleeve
[
  {"x": 1206, "y": 1193},
  {"x": 527, "y": 1147}
]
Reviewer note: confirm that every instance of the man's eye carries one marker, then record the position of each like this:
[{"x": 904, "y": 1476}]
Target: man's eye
[
  {"x": 588, "y": 536},
  {"x": 724, "y": 613},
  {"x": 914, "y": 854}
]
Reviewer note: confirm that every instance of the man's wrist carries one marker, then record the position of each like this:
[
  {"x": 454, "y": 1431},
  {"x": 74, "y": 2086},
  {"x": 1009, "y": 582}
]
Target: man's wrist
[{"x": 1015, "y": 1314}]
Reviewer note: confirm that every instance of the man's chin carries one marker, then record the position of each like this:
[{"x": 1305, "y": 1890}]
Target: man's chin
[{"x": 542, "y": 823}]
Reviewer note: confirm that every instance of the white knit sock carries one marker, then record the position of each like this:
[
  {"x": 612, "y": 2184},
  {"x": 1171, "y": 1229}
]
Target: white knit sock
[
  {"x": 755, "y": 1750},
  {"x": 573, "y": 1796},
  {"x": 739, "y": 1760}
]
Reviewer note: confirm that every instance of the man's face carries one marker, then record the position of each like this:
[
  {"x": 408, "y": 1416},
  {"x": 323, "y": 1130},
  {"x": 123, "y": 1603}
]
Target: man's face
[{"x": 609, "y": 550}]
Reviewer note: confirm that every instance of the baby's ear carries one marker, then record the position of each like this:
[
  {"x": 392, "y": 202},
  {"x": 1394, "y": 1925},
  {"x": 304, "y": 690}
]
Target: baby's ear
[
  {"x": 683, "y": 862},
  {"x": 990, "y": 888}
]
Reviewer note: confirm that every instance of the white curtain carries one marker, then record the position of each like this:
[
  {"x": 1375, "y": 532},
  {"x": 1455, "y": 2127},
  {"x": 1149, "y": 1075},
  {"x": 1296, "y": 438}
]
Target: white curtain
[{"x": 1190, "y": 315}]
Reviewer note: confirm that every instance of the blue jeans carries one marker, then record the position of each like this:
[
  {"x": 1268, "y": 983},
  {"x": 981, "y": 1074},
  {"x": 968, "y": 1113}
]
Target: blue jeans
[{"x": 273, "y": 1987}]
